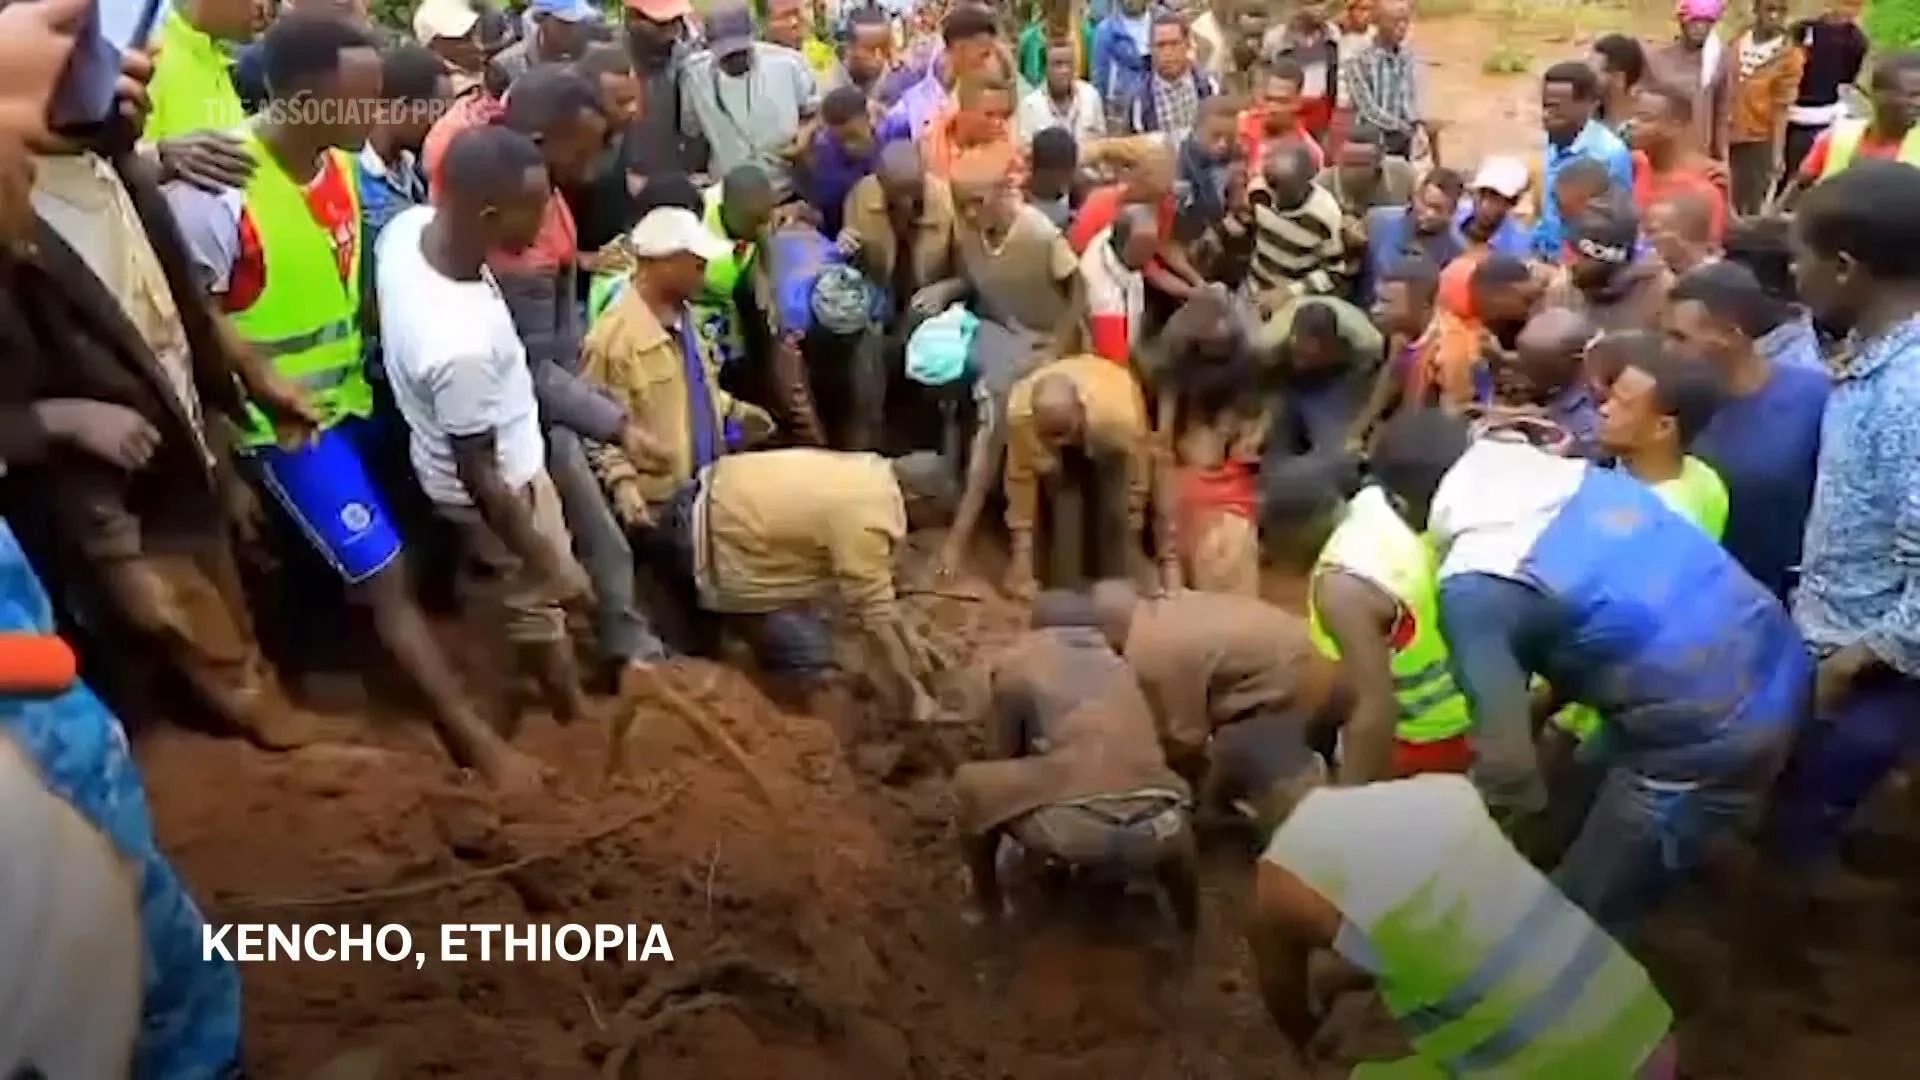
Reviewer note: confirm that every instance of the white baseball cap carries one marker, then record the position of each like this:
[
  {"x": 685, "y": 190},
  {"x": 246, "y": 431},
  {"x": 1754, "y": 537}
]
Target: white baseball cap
[
  {"x": 670, "y": 230},
  {"x": 443, "y": 19},
  {"x": 1506, "y": 176}
]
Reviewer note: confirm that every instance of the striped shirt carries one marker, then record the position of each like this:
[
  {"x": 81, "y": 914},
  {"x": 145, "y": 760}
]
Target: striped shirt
[
  {"x": 1383, "y": 86},
  {"x": 1300, "y": 247}
]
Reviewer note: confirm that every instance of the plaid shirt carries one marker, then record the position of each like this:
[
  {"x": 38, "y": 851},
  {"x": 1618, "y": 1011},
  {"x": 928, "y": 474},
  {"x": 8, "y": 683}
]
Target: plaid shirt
[
  {"x": 1384, "y": 86},
  {"x": 1169, "y": 107}
]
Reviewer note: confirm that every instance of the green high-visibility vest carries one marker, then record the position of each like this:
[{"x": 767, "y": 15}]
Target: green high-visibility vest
[
  {"x": 714, "y": 308},
  {"x": 1843, "y": 142},
  {"x": 192, "y": 90},
  {"x": 1487, "y": 967},
  {"x": 602, "y": 291},
  {"x": 307, "y": 320},
  {"x": 1375, "y": 543}
]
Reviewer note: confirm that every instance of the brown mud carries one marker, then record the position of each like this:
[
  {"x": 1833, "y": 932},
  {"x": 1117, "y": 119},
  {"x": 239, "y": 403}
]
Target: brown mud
[{"x": 817, "y": 926}]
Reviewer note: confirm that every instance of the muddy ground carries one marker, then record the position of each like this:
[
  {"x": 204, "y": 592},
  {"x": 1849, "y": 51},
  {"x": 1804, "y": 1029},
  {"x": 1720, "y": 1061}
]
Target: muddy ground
[{"x": 815, "y": 912}]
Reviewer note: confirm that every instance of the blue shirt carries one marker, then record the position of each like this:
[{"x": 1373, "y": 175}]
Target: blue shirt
[
  {"x": 1391, "y": 237},
  {"x": 1574, "y": 410},
  {"x": 831, "y": 174},
  {"x": 384, "y": 192},
  {"x": 1860, "y": 579},
  {"x": 1118, "y": 66},
  {"x": 1766, "y": 446},
  {"x": 1794, "y": 343},
  {"x": 1594, "y": 141}
]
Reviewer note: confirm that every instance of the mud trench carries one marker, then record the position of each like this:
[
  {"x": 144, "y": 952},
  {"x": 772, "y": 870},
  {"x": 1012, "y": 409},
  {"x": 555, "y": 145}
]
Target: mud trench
[{"x": 815, "y": 906}]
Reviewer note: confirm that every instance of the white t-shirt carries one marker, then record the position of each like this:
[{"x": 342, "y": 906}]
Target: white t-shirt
[{"x": 455, "y": 363}]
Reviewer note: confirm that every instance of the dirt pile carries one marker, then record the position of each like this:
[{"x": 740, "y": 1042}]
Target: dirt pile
[{"x": 815, "y": 916}]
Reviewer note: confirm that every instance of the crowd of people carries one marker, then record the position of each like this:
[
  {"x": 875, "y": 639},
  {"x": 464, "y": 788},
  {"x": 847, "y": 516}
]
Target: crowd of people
[{"x": 612, "y": 338}]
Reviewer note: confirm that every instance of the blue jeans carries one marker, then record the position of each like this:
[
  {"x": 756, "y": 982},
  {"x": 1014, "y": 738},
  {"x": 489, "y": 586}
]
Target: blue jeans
[
  {"x": 1640, "y": 837},
  {"x": 1837, "y": 763}
]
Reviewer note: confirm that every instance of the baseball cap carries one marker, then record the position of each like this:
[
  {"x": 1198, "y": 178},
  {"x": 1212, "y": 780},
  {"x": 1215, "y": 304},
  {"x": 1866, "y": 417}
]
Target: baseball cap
[
  {"x": 1505, "y": 176},
  {"x": 729, "y": 30},
  {"x": 671, "y": 230},
  {"x": 1607, "y": 233},
  {"x": 573, "y": 11},
  {"x": 661, "y": 11},
  {"x": 443, "y": 19}
]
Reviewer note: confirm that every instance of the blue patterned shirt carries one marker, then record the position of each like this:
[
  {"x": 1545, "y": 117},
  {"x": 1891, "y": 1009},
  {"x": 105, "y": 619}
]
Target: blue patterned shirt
[{"x": 1860, "y": 574}]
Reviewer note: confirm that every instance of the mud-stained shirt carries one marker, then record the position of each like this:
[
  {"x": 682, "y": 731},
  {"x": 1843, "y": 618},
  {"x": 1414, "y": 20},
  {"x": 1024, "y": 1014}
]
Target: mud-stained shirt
[
  {"x": 777, "y": 528},
  {"x": 1068, "y": 722},
  {"x": 1116, "y": 413},
  {"x": 1209, "y": 659}
]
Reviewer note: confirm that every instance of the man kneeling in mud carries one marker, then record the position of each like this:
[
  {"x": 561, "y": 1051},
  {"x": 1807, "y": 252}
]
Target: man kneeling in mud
[{"x": 1076, "y": 775}]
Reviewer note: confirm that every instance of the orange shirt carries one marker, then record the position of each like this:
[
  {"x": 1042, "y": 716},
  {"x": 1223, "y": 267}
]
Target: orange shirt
[
  {"x": 1443, "y": 365},
  {"x": 1698, "y": 175},
  {"x": 1252, "y": 133},
  {"x": 943, "y": 151}
]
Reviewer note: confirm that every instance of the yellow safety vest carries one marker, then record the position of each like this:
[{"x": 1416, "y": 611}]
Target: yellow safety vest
[
  {"x": 1375, "y": 543},
  {"x": 1487, "y": 967},
  {"x": 192, "y": 89},
  {"x": 1843, "y": 142},
  {"x": 307, "y": 320}
]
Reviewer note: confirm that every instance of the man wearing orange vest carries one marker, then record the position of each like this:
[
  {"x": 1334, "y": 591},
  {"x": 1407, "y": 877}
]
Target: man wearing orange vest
[{"x": 1890, "y": 133}]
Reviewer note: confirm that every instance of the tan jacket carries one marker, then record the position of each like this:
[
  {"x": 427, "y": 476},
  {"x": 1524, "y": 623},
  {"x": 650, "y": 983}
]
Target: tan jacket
[
  {"x": 1209, "y": 659},
  {"x": 1116, "y": 425},
  {"x": 630, "y": 355},
  {"x": 1064, "y": 689},
  {"x": 934, "y": 255},
  {"x": 776, "y": 528}
]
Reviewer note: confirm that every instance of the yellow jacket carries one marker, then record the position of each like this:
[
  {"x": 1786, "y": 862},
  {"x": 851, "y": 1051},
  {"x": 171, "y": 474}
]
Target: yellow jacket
[{"x": 635, "y": 359}]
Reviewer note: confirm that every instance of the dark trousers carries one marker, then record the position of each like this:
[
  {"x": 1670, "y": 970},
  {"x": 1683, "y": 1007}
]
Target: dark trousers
[
  {"x": 1800, "y": 139},
  {"x": 1082, "y": 533},
  {"x": 1838, "y": 762},
  {"x": 1751, "y": 165}
]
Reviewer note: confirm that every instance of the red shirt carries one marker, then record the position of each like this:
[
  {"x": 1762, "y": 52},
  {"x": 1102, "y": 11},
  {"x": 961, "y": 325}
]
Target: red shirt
[
  {"x": 330, "y": 197},
  {"x": 1700, "y": 176},
  {"x": 556, "y": 244},
  {"x": 1815, "y": 162},
  {"x": 467, "y": 112},
  {"x": 1252, "y": 133},
  {"x": 1101, "y": 207}
]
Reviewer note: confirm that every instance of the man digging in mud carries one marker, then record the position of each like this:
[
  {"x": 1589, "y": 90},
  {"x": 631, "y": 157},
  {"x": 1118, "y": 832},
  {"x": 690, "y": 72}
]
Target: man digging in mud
[
  {"x": 1234, "y": 682},
  {"x": 1079, "y": 463},
  {"x": 756, "y": 539},
  {"x": 1075, "y": 774}
]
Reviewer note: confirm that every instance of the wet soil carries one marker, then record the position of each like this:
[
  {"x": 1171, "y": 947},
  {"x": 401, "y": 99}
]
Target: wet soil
[{"x": 816, "y": 914}]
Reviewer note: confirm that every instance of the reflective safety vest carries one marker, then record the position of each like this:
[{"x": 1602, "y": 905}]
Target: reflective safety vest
[
  {"x": 193, "y": 90},
  {"x": 1375, "y": 543},
  {"x": 602, "y": 291},
  {"x": 1843, "y": 142},
  {"x": 307, "y": 320},
  {"x": 715, "y": 307},
  {"x": 1488, "y": 968}
]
